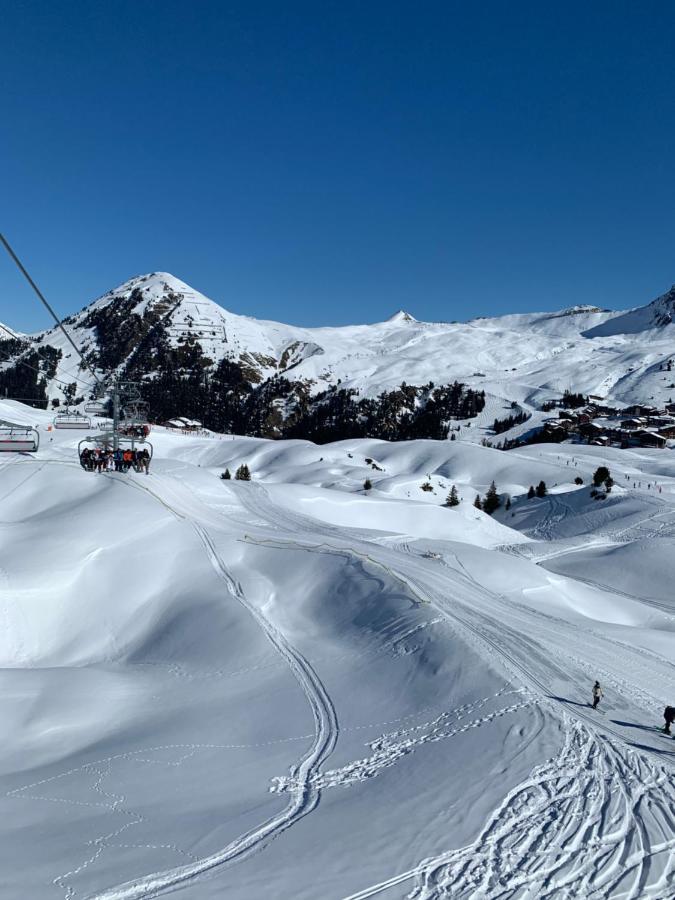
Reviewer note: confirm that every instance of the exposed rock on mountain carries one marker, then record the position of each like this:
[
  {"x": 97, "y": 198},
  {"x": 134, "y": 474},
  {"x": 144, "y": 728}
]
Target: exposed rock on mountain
[{"x": 395, "y": 378}]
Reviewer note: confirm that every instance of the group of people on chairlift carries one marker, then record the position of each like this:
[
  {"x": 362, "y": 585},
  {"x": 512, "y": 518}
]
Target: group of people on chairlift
[{"x": 98, "y": 459}]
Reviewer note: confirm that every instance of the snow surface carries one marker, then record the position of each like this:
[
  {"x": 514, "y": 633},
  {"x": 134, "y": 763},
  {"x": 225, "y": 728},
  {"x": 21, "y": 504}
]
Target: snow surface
[{"x": 293, "y": 688}]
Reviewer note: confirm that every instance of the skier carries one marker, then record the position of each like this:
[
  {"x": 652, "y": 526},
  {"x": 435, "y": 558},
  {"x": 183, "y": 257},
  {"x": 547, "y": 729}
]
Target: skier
[
  {"x": 597, "y": 694},
  {"x": 669, "y": 716},
  {"x": 144, "y": 459}
]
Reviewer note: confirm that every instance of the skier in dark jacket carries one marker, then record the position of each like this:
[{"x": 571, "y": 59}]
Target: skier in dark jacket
[
  {"x": 669, "y": 716},
  {"x": 597, "y": 694}
]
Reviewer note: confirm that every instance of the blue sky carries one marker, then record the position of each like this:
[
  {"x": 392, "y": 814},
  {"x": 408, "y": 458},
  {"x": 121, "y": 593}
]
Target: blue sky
[{"x": 326, "y": 163}]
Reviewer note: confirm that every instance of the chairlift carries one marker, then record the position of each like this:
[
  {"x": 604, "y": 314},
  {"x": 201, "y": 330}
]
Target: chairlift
[
  {"x": 95, "y": 407},
  {"x": 18, "y": 438},
  {"x": 135, "y": 410},
  {"x": 69, "y": 419},
  {"x": 137, "y": 430},
  {"x": 105, "y": 442}
]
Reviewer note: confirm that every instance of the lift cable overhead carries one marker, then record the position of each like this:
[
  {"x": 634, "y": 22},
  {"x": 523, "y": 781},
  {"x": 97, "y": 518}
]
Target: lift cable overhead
[
  {"x": 20, "y": 362},
  {"x": 135, "y": 407},
  {"x": 45, "y": 303},
  {"x": 30, "y": 348}
]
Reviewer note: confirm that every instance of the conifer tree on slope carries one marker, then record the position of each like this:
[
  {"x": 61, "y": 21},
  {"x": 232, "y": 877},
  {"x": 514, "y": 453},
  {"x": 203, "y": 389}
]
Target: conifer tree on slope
[
  {"x": 452, "y": 499},
  {"x": 601, "y": 474},
  {"x": 492, "y": 501}
]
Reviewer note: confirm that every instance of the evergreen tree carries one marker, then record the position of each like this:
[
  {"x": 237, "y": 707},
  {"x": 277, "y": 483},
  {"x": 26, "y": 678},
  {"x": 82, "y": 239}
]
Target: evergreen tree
[
  {"x": 542, "y": 490},
  {"x": 531, "y": 492},
  {"x": 507, "y": 505},
  {"x": 367, "y": 484},
  {"x": 477, "y": 502},
  {"x": 609, "y": 484},
  {"x": 226, "y": 475},
  {"x": 500, "y": 425},
  {"x": 572, "y": 401},
  {"x": 453, "y": 499},
  {"x": 578, "y": 480},
  {"x": 492, "y": 501},
  {"x": 242, "y": 473},
  {"x": 601, "y": 474}
]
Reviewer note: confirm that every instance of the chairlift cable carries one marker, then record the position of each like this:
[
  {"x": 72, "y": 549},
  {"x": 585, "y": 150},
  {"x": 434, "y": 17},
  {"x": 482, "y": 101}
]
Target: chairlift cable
[
  {"x": 20, "y": 362},
  {"x": 43, "y": 300},
  {"x": 37, "y": 350}
]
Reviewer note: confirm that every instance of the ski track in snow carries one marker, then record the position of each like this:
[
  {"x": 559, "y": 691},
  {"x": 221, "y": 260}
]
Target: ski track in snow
[
  {"x": 305, "y": 793},
  {"x": 584, "y": 832},
  {"x": 388, "y": 749},
  {"x": 576, "y": 828}
]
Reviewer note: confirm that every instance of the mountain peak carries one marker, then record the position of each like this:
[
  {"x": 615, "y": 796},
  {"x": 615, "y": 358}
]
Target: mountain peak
[
  {"x": 580, "y": 309},
  {"x": 401, "y": 316},
  {"x": 153, "y": 281},
  {"x": 658, "y": 314}
]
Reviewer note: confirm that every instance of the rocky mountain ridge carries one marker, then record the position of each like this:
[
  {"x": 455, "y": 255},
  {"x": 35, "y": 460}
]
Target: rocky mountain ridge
[{"x": 193, "y": 357}]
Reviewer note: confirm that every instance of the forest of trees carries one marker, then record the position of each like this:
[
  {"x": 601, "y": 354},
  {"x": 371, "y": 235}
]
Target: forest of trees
[
  {"x": 177, "y": 379},
  {"x": 500, "y": 425},
  {"x": 27, "y": 380},
  {"x": 225, "y": 401}
]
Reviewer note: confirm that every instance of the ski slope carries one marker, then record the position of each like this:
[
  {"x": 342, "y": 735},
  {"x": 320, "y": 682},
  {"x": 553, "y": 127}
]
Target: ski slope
[{"x": 294, "y": 688}]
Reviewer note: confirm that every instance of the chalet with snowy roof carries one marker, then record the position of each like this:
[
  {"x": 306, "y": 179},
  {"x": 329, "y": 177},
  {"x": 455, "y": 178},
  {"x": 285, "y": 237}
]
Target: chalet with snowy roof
[
  {"x": 650, "y": 439},
  {"x": 183, "y": 424},
  {"x": 639, "y": 409}
]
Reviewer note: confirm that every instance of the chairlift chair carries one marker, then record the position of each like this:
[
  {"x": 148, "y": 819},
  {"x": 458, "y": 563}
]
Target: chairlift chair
[
  {"x": 105, "y": 442},
  {"x": 136, "y": 430},
  {"x": 69, "y": 419},
  {"x": 95, "y": 407},
  {"x": 18, "y": 438},
  {"x": 135, "y": 410}
]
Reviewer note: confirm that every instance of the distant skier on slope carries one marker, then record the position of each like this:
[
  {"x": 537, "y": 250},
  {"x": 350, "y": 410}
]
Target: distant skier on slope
[
  {"x": 669, "y": 716},
  {"x": 597, "y": 694}
]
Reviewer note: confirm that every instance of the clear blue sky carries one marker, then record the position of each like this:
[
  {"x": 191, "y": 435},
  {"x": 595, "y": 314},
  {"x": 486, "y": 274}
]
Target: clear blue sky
[{"x": 330, "y": 162}]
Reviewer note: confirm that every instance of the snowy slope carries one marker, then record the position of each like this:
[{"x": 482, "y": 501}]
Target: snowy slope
[
  {"x": 292, "y": 688},
  {"x": 656, "y": 315},
  {"x": 7, "y": 332}
]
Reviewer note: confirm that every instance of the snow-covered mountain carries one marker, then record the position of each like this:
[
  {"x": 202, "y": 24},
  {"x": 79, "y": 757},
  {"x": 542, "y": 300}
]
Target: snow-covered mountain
[
  {"x": 657, "y": 315},
  {"x": 156, "y": 326}
]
